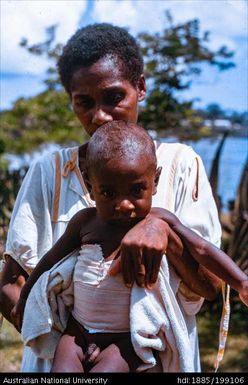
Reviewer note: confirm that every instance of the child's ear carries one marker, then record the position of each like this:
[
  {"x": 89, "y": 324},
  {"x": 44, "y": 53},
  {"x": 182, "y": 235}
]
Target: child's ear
[
  {"x": 88, "y": 185},
  {"x": 156, "y": 179},
  {"x": 141, "y": 88}
]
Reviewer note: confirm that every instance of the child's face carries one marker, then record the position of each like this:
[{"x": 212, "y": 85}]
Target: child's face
[
  {"x": 123, "y": 190},
  {"x": 101, "y": 94}
]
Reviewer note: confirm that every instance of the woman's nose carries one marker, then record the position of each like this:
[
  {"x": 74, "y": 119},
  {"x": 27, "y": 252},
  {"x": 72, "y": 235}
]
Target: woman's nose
[
  {"x": 101, "y": 117},
  {"x": 125, "y": 206}
]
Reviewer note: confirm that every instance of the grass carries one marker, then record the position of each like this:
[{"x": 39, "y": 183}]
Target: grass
[
  {"x": 235, "y": 357},
  {"x": 236, "y": 351},
  {"x": 10, "y": 348}
]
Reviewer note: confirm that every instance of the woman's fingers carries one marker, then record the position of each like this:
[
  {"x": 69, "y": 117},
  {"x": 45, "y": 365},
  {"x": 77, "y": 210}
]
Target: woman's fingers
[
  {"x": 152, "y": 276},
  {"x": 148, "y": 256},
  {"x": 127, "y": 268},
  {"x": 115, "y": 267},
  {"x": 140, "y": 275},
  {"x": 137, "y": 268}
]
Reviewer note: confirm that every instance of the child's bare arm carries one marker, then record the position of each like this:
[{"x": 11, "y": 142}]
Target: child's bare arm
[
  {"x": 209, "y": 255},
  {"x": 68, "y": 242}
]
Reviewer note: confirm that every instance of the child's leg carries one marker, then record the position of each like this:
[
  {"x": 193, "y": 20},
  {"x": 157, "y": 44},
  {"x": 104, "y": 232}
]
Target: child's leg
[
  {"x": 68, "y": 356},
  {"x": 110, "y": 360},
  {"x": 119, "y": 356}
]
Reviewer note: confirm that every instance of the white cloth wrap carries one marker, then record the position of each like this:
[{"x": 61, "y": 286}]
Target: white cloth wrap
[
  {"x": 156, "y": 320},
  {"x": 32, "y": 233}
]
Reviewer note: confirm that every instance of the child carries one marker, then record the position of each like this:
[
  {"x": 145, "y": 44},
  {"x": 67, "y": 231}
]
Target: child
[{"x": 122, "y": 177}]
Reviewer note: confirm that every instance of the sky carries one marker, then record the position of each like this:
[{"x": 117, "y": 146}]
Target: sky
[{"x": 226, "y": 20}]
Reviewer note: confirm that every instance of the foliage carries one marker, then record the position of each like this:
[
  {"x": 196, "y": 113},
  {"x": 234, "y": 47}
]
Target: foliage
[
  {"x": 10, "y": 183},
  {"x": 214, "y": 111},
  {"x": 173, "y": 58},
  {"x": 46, "y": 117}
]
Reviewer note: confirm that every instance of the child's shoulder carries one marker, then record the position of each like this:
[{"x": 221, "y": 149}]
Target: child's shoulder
[
  {"x": 87, "y": 213},
  {"x": 84, "y": 216}
]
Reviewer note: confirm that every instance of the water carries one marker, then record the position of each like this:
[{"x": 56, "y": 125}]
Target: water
[
  {"x": 233, "y": 157},
  {"x": 232, "y": 161}
]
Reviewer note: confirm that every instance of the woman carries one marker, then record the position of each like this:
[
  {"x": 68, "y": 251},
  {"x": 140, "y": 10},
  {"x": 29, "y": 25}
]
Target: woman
[{"x": 101, "y": 68}]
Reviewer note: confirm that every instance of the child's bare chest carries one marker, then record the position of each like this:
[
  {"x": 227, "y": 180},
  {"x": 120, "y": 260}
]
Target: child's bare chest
[{"x": 107, "y": 236}]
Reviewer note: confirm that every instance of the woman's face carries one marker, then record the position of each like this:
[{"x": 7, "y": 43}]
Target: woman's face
[{"x": 100, "y": 94}]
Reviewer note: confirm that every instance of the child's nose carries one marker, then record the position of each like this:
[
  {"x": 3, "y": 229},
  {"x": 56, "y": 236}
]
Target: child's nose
[{"x": 125, "y": 206}]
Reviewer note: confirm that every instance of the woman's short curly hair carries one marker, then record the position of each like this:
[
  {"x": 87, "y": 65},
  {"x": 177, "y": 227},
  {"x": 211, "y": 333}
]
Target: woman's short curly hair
[{"x": 93, "y": 42}]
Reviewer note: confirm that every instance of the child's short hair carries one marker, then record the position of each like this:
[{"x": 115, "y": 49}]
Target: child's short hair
[
  {"x": 121, "y": 140},
  {"x": 93, "y": 42}
]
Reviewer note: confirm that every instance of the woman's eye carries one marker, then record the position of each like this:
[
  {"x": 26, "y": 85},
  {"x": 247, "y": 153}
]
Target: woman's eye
[
  {"x": 114, "y": 99},
  {"x": 84, "y": 102}
]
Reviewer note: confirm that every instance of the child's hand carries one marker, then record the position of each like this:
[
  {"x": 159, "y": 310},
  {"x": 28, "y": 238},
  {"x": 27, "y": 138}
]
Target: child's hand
[
  {"x": 17, "y": 314},
  {"x": 243, "y": 292}
]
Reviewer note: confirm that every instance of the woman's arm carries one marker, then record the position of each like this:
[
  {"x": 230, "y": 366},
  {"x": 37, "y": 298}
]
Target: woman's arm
[
  {"x": 13, "y": 278},
  {"x": 208, "y": 255},
  {"x": 142, "y": 249},
  {"x": 198, "y": 279},
  {"x": 144, "y": 245}
]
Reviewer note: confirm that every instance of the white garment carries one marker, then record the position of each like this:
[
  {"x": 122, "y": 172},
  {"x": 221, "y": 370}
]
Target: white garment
[
  {"x": 32, "y": 233},
  {"x": 155, "y": 320},
  {"x": 52, "y": 298},
  {"x": 97, "y": 295},
  {"x": 158, "y": 324}
]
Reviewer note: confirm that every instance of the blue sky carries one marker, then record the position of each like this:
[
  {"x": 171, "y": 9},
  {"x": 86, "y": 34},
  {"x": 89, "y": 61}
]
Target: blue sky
[{"x": 22, "y": 73}]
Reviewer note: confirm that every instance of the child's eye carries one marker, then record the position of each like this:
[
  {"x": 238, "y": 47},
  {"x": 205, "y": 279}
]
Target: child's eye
[
  {"x": 137, "y": 189},
  {"x": 108, "y": 193}
]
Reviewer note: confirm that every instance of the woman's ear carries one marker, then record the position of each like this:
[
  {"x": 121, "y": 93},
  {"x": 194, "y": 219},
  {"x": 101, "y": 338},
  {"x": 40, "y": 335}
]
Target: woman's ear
[
  {"x": 88, "y": 184},
  {"x": 156, "y": 179},
  {"x": 141, "y": 88}
]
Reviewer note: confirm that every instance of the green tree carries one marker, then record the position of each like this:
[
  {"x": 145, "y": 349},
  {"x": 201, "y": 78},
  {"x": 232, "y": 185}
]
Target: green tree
[
  {"x": 214, "y": 111},
  {"x": 46, "y": 117},
  {"x": 172, "y": 60}
]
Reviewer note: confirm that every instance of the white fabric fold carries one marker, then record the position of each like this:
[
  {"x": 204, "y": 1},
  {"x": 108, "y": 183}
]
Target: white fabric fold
[
  {"x": 156, "y": 321},
  {"x": 48, "y": 307}
]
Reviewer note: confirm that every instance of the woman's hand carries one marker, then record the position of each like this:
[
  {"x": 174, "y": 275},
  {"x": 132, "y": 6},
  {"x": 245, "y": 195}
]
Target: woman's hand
[
  {"x": 142, "y": 248},
  {"x": 17, "y": 314},
  {"x": 141, "y": 251}
]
